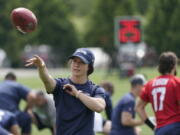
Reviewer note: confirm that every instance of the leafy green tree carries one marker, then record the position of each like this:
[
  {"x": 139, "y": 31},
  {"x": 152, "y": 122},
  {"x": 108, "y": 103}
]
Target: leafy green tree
[
  {"x": 79, "y": 8},
  {"x": 142, "y": 6},
  {"x": 54, "y": 29},
  {"x": 10, "y": 40},
  {"x": 101, "y": 24},
  {"x": 163, "y": 30}
]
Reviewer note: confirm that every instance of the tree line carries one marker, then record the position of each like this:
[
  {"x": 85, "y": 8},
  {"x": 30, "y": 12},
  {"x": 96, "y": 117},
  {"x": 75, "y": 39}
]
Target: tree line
[{"x": 57, "y": 29}]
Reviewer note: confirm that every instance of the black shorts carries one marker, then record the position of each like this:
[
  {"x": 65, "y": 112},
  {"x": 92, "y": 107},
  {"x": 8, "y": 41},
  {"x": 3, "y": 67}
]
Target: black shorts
[{"x": 40, "y": 125}]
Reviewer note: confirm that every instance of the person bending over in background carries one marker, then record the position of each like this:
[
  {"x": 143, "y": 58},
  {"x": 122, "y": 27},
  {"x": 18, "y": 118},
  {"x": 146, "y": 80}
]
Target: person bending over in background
[
  {"x": 11, "y": 93},
  {"x": 163, "y": 92},
  {"x": 43, "y": 112},
  {"x": 76, "y": 98},
  {"x": 123, "y": 117}
]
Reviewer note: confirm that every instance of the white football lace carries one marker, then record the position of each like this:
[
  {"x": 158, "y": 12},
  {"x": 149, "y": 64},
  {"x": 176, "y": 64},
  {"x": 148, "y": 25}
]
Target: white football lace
[{"x": 19, "y": 28}]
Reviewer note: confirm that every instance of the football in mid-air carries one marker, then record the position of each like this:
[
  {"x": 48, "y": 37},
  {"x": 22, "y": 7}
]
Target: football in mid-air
[{"x": 24, "y": 19}]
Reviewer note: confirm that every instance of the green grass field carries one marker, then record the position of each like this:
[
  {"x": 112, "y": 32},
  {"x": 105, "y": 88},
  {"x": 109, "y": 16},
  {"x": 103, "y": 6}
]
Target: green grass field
[{"x": 121, "y": 87}]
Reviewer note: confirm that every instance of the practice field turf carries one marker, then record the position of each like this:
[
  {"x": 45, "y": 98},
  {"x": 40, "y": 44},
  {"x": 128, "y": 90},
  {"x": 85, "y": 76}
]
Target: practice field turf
[{"x": 30, "y": 78}]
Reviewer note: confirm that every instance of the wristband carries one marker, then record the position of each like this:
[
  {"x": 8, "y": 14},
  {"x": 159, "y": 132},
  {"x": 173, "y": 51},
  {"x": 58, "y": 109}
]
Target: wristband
[
  {"x": 77, "y": 95},
  {"x": 149, "y": 124}
]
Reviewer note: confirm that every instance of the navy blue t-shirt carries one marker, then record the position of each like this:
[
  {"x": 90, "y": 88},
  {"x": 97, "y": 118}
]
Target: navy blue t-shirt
[
  {"x": 11, "y": 93},
  {"x": 72, "y": 116},
  {"x": 7, "y": 119},
  {"x": 126, "y": 104}
]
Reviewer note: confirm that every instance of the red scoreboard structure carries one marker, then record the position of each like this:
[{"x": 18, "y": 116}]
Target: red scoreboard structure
[{"x": 127, "y": 30}]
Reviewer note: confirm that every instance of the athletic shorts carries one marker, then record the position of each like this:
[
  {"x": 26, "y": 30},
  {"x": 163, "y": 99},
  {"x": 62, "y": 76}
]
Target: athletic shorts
[
  {"x": 4, "y": 131},
  {"x": 8, "y": 121},
  {"x": 40, "y": 125},
  {"x": 171, "y": 129},
  {"x": 24, "y": 121}
]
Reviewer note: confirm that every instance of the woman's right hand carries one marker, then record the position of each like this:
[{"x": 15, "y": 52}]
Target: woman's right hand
[{"x": 36, "y": 61}]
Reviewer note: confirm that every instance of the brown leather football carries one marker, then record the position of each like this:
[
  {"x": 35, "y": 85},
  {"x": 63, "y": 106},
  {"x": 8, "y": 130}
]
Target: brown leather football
[{"x": 24, "y": 19}]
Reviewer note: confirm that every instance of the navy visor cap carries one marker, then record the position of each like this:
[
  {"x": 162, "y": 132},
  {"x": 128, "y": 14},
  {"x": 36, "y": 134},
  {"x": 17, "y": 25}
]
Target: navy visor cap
[{"x": 85, "y": 55}]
